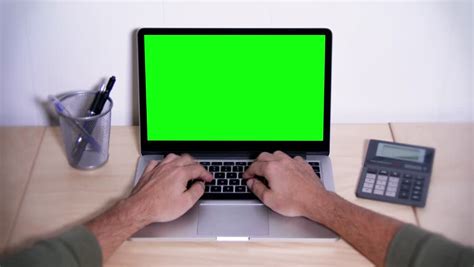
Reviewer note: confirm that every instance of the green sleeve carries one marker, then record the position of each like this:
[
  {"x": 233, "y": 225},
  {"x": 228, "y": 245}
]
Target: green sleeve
[
  {"x": 76, "y": 247},
  {"x": 413, "y": 246}
]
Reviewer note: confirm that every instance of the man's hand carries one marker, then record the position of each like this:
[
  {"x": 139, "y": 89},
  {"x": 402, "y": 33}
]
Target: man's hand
[
  {"x": 293, "y": 188},
  {"x": 160, "y": 196},
  {"x": 161, "y": 192}
]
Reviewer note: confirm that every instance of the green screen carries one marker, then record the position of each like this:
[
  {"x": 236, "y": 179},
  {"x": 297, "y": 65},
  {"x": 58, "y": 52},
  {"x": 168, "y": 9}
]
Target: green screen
[{"x": 234, "y": 87}]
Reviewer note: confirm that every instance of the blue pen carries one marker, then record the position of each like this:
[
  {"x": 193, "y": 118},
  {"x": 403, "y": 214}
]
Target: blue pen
[{"x": 61, "y": 109}]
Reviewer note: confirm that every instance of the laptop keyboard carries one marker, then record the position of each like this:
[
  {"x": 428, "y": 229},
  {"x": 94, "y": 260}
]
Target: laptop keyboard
[{"x": 228, "y": 176}]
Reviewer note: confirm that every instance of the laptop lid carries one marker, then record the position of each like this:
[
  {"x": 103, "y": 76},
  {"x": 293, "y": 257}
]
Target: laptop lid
[{"x": 234, "y": 90}]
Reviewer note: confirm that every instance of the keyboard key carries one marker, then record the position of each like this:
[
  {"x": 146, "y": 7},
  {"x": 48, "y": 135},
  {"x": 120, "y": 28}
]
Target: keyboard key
[
  {"x": 215, "y": 188},
  {"x": 248, "y": 163},
  {"x": 213, "y": 182},
  {"x": 221, "y": 182},
  {"x": 240, "y": 189},
  {"x": 240, "y": 175},
  {"x": 316, "y": 169},
  {"x": 205, "y": 163},
  {"x": 313, "y": 163},
  {"x": 228, "y": 189},
  {"x": 240, "y": 163},
  {"x": 237, "y": 169},
  {"x": 228, "y": 163},
  {"x": 226, "y": 168},
  {"x": 234, "y": 182},
  {"x": 216, "y": 163},
  {"x": 206, "y": 167},
  {"x": 214, "y": 168},
  {"x": 207, "y": 189},
  {"x": 219, "y": 175},
  {"x": 231, "y": 175},
  {"x": 243, "y": 182}
]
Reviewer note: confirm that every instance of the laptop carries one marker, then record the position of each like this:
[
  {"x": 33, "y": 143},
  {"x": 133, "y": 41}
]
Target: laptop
[{"x": 224, "y": 96}]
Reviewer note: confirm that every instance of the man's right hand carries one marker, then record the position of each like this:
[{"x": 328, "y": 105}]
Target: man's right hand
[{"x": 294, "y": 189}]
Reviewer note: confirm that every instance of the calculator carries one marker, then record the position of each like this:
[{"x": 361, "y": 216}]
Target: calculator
[{"x": 396, "y": 173}]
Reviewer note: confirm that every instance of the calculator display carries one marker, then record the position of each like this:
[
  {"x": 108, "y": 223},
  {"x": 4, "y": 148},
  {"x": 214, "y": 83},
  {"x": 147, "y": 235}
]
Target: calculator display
[{"x": 400, "y": 152}]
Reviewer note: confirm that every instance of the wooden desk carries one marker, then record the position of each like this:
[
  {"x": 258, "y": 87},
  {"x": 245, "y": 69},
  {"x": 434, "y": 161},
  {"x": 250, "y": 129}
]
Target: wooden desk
[
  {"x": 448, "y": 208},
  {"x": 18, "y": 149},
  {"x": 59, "y": 196}
]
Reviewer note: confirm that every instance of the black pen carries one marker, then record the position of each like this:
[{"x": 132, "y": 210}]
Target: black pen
[{"x": 95, "y": 109}]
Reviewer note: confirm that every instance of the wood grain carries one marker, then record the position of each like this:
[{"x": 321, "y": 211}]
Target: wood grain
[
  {"x": 449, "y": 207},
  {"x": 18, "y": 149}
]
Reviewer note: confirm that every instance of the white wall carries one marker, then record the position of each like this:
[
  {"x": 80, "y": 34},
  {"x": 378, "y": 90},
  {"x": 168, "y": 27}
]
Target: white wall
[{"x": 392, "y": 61}]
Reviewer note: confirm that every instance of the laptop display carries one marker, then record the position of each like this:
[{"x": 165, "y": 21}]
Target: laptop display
[{"x": 238, "y": 85}]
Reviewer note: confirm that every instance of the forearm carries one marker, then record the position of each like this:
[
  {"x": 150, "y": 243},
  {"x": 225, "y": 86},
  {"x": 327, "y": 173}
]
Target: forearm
[
  {"x": 367, "y": 231},
  {"x": 116, "y": 225}
]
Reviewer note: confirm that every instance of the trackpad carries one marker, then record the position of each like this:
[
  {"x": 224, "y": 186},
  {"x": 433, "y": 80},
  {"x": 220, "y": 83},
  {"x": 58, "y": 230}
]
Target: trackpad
[{"x": 233, "y": 220}]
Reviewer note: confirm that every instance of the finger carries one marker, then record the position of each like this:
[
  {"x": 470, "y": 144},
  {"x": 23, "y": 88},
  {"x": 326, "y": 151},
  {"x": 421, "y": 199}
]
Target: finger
[
  {"x": 260, "y": 190},
  {"x": 151, "y": 165},
  {"x": 280, "y": 155},
  {"x": 184, "y": 160},
  {"x": 300, "y": 159},
  {"x": 265, "y": 156},
  {"x": 195, "y": 192},
  {"x": 195, "y": 171},
  {"x": 258, "y": 168},
  {"x": 170, "y": 157}
]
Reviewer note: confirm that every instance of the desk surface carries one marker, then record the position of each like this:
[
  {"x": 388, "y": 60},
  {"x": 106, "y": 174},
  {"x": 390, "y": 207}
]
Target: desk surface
[{"x": 54, "y": 196}]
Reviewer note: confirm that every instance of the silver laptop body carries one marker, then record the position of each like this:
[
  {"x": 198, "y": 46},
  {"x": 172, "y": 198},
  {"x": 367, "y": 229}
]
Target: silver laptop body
[{"x": 230, "y": 219}]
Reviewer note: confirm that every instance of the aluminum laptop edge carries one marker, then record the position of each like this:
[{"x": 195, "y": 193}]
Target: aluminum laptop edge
[{"x": 223, "y": 217}]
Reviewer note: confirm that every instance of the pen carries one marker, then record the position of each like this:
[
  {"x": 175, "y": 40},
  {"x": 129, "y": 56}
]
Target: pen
[
  {"x": 95, "y": 109},
  {"x": 61, "y": 109}
]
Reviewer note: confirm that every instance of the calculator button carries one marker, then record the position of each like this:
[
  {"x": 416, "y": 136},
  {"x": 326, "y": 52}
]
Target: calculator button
[
  {"x": 381, "y": 182},
  {"x": 405, "y": 187},
  {"x": 368, "y": 184},
  {"x": 370, "y": 180},
  {"x": 392, "y": 188},
  {"x": 419, "y": 183},
  {"x": 390, "y": 193},
  {"x": 382, "y": 178},
  {"x": 420, "y": 177},
  {"x": 416, "y": 187},
  {"x": 370, "y": 176},
  {"x": 378, "y": 192},
  {"x": 371, "y": 170},
  {"x": 416, "y": 192},
  {"x": 406, "y": 181},
  {"x": 367, "y": 190},
  {"x": 416, "y": 197},
  {"x": 383, "y": 172},
  {"x": 380, "y": 187},
  {"x": 392, "y": 183},
  {"x": 403, "y": 194},
  {"x": 407, "y": 176},
  {"x": 395, "y": 174}
]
